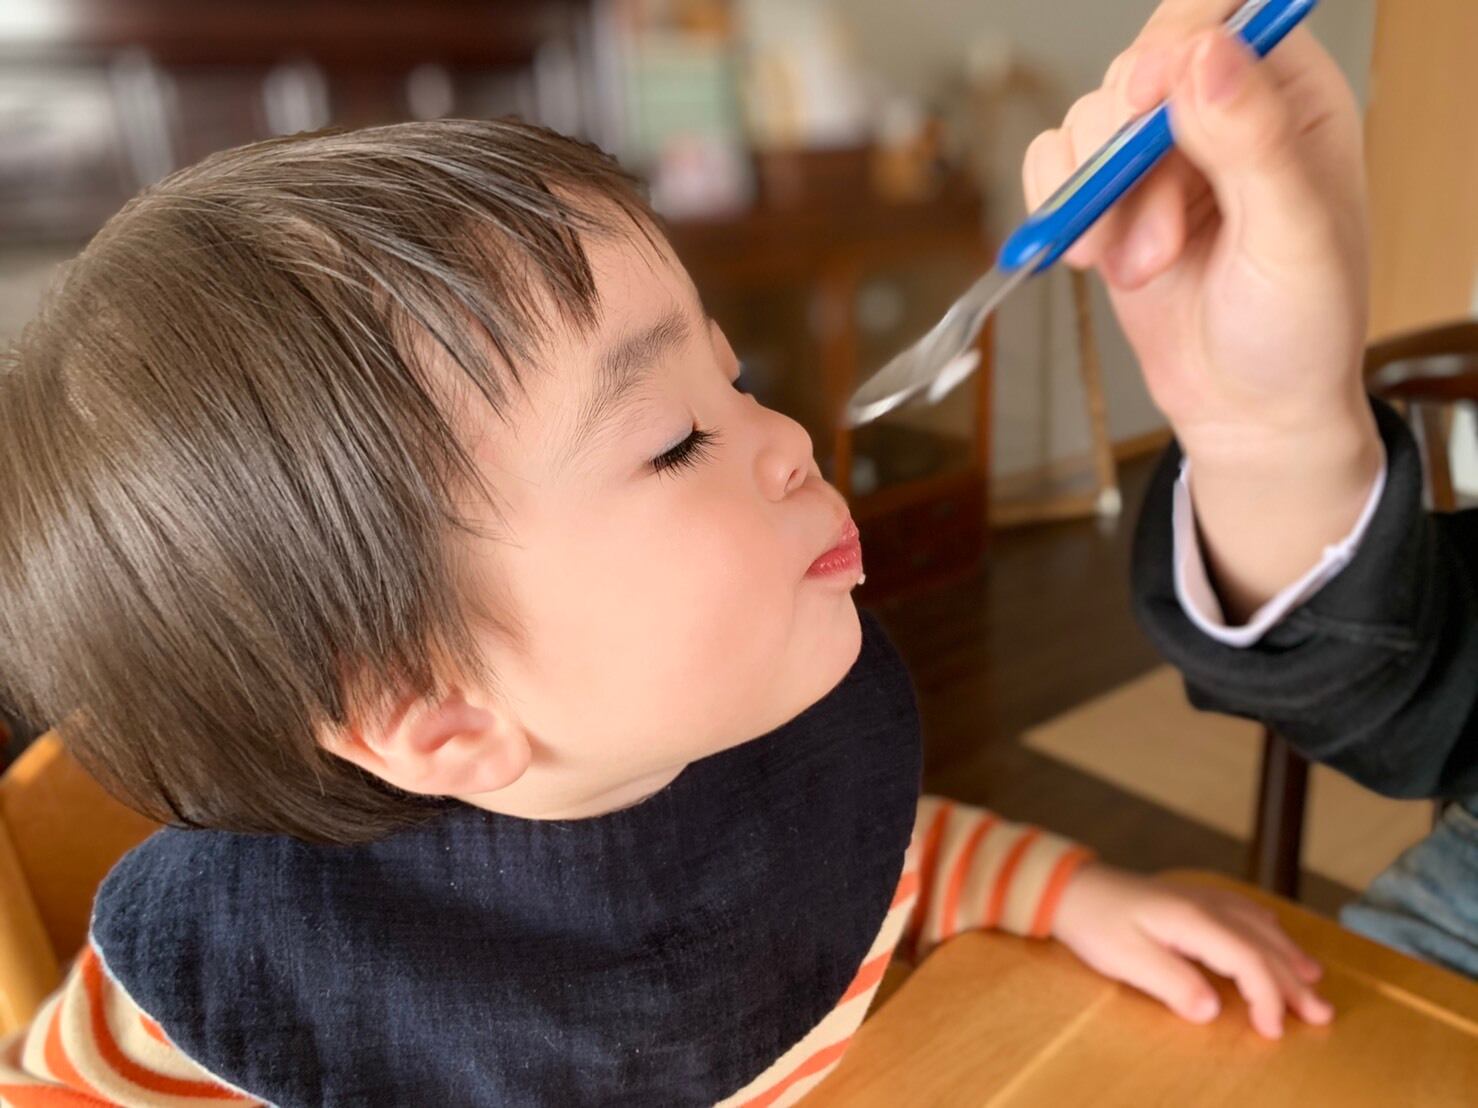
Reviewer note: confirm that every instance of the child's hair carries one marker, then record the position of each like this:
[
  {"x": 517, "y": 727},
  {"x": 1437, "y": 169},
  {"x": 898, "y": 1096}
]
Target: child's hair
[{"x": 227, "y": 483}]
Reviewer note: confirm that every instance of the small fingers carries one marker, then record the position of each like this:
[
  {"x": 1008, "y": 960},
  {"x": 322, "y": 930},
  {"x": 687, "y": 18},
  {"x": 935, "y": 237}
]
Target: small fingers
[
  {"x": 1259, "y": 986},
  {"x": 1264, "y": 924},
  {"x": 1301, "y": 999},
  {"x": 1170, "y": 979},
  {"x": 1199, "y": 934},
  {"x": 1288, "y": 964}
]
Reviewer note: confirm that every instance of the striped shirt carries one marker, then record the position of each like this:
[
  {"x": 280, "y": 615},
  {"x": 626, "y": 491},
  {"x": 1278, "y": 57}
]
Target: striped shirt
[{"x": 965, "y": 869}]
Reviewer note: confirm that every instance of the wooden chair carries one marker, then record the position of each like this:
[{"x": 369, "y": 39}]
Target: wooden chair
[
  {"x": 1423, "y": 373},
  {"x": 59, "y": 835}
]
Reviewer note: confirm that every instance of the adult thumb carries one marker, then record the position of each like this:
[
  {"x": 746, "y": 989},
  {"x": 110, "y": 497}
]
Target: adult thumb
[{"x": 1234, "y": 124}]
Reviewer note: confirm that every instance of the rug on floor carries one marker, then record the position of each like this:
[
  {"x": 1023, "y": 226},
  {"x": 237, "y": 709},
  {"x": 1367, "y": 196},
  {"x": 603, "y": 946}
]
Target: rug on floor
[{"x": 1144, "y": 738}]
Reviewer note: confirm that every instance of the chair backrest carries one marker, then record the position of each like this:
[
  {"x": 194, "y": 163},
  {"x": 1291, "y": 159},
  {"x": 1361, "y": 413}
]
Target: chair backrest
[
  {"x": 1425, "y": 372},
  {"x": 60, "y": 833}
]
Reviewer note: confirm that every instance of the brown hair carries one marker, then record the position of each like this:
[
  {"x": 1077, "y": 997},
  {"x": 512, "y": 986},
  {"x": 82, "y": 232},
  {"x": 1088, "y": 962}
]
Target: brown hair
[{"x": 226, "y": 484}]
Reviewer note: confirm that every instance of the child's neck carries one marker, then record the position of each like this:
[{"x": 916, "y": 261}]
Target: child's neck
[{"x": 529, "y": 803}]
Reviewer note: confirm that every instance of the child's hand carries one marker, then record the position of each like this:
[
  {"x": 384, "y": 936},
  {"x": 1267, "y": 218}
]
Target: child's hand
[
  {"x": 1238, "y": 270},
  {"x": 1144, "y": 933}
]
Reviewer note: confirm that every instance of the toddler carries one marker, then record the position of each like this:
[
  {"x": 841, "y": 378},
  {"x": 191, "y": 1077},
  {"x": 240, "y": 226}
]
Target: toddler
[{"x": 381, "y": 511}]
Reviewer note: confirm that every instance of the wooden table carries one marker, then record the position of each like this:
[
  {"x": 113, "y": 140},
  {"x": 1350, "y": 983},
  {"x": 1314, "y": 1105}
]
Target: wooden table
[{"x": 994, "y": 1020}]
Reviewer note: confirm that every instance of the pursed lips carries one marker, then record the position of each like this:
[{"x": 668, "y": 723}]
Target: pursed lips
[{"x": 845, "y": 553}]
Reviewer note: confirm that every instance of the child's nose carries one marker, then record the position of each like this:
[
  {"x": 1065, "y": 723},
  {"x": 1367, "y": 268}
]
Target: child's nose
[{"x": 784, "y": 460}]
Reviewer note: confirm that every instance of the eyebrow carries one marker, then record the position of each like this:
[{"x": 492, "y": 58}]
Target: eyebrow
[{"x": 623, "y": 367}]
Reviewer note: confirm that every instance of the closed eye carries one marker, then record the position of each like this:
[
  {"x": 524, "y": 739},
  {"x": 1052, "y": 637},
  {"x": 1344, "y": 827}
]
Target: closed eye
[{"x": 690, "y": 452}]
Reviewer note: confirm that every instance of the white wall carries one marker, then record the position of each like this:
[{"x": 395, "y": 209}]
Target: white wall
[{"x": 920, "y": 47}]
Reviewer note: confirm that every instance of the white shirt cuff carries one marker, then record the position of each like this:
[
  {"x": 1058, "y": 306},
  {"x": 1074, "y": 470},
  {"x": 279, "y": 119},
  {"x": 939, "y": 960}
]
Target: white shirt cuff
[{"x": 1193, "y": 587}]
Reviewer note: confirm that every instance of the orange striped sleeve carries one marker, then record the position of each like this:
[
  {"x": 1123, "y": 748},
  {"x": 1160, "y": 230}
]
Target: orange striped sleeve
[
  {"x": 976, "y": 870},
  {"x": 931, "y": 830},
  {"x": 92, "y": 1045}
]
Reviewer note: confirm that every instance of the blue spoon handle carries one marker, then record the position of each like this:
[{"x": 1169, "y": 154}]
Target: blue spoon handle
[{"x": 1136, "y": 149}]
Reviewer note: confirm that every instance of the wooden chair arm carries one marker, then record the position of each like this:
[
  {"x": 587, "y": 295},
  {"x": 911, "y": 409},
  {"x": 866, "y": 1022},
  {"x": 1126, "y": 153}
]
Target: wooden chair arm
[{"x": 28, "y": 967}]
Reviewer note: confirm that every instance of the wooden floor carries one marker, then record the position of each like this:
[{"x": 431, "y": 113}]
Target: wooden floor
[{"x": 1046, "y": 625}]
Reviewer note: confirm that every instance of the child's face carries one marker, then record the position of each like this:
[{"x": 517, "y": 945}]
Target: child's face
[{"x": 666, "y": 586}]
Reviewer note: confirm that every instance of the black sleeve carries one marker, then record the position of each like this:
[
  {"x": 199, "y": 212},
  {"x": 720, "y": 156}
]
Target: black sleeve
[{"x": 1377, "y": 673}]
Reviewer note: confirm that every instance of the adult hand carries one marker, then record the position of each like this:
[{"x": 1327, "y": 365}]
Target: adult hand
[{"x": 1238, "y": 270}]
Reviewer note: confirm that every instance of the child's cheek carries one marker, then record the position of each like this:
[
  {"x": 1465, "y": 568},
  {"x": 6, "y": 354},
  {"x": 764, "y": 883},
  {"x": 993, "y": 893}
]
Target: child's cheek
[{"x": 731, "y": 579}]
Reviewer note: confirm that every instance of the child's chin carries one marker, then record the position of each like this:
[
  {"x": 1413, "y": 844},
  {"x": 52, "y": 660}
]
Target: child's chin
[
  {"x": 826, "y": 647},
  {"x": 839, "y": 643}
]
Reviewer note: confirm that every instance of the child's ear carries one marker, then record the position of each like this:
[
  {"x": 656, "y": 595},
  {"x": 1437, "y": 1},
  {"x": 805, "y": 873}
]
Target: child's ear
[{"x": 452, "y": 745}]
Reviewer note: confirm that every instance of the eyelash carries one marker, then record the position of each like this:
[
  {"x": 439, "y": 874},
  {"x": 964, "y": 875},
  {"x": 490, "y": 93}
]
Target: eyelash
[
  {"x": 693, "y": 449},
  {"x": 690, "y": 452}
]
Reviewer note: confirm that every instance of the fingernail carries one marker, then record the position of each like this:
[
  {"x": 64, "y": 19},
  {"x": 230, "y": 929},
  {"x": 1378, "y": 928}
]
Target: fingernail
[
  {"x": 1221, "y": 68},
  {"x": 1205, "y": 1008}
]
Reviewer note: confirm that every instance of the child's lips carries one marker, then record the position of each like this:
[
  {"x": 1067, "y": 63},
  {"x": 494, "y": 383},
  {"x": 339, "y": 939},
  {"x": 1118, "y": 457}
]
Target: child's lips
[{"x": 844, "y": 557}]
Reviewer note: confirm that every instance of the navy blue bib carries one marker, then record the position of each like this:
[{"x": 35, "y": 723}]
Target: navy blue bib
[{"x": 663, "y": 954}]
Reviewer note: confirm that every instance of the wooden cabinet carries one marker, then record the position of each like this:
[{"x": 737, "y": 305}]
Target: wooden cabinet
[{"x": 99, "y": 98}]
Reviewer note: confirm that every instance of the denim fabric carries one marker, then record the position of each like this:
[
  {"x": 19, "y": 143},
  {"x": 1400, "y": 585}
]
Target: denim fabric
[
  {"x": 664, "y": 954},
  {"x": 1426, "y": 904}
]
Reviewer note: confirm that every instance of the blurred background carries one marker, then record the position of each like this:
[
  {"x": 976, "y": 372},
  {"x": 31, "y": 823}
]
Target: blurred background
[{"x": 834, "y": 173}]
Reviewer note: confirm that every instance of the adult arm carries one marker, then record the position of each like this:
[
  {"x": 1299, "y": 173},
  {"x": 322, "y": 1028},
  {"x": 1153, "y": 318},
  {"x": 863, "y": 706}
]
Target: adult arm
[{"x": 1376, "y": 674}]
